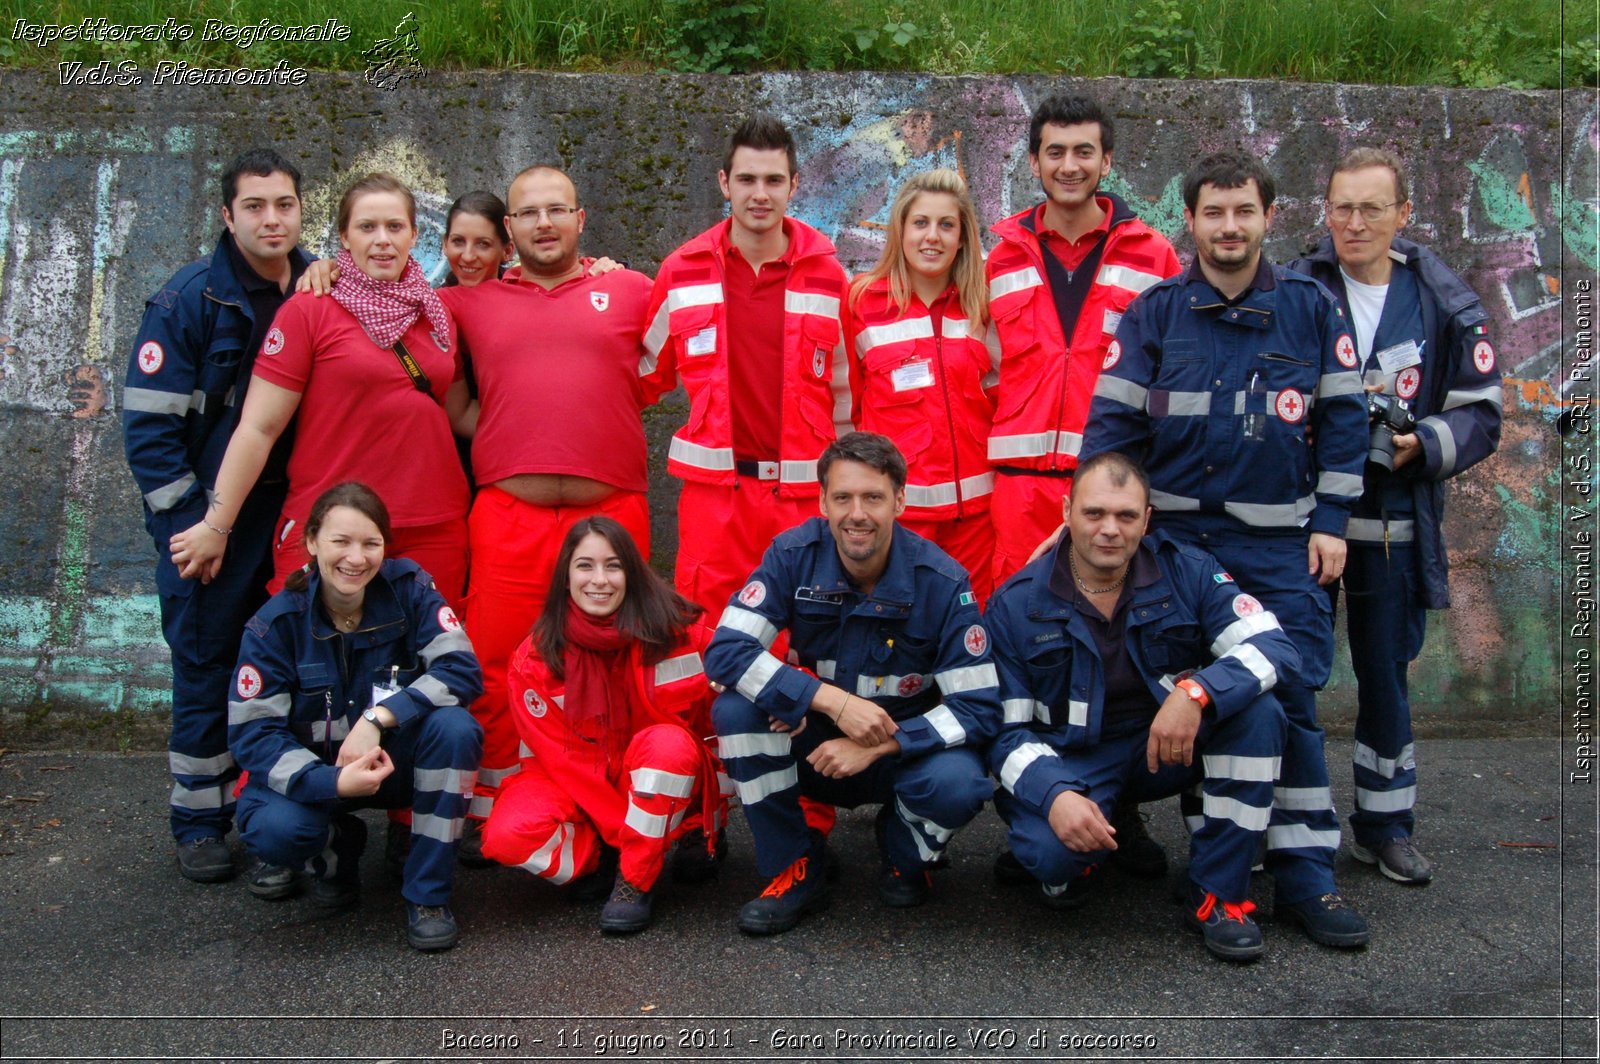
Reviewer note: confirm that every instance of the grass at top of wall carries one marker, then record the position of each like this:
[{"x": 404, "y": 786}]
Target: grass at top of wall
[{"x": 1533, "y": 44}]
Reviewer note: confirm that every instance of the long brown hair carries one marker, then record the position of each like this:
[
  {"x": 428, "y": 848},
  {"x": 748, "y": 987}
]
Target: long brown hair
[
  {"x": 354, "y": 494},
  {"x": 651, "y": 611},
  {"x": 966, "y": 270}
]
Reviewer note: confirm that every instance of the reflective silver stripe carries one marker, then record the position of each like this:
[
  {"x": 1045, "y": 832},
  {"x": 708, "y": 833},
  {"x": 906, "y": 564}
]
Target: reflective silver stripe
[
  {"x": 444, "y": 780},
  {"x": 1398, "y": 800},
  {"x": 1242, "y": 768},
  {"x": 1077, "y": 713},
  {"x": 652, "y": 825},
  {"x": 681, "y": 667},
  {"x": 199, "y": 766},
  {"x": 1370, "y": 530},
  {"x": 717, "y": 459},
  {"x": 798, "y": 472},
  {"x": 692, "y": 295},
  {"x": 1163, "y": 501},
  {"x": 826, "y": 668},
  {"x": 522, "y": 748},
  {"x": 1243, "y": 629},
  {"x": 168, "y": 494},
  {"x": 968, "y": 678},
  {"x": 945, "y": 723},
  {"x": 480, "y": 807},
  {"x": 811, "y": 303},
  {"x": 1015, "y": 281},
  {"x": 753, "y": 744},
  {"x": 198, "y": 798},
  {"x": 888, "y": 684},
  {"x": 655, "y": 781},
  {"x": 927, "y": 495},
  {"x": 446, "y": 642},
  {"x": 493, "y": 777},
  {"x": 752, "y": 791},
  {"x": 958, "y": 329},
  {"x": 1332, "y": 384},
  {"x": 762, "y": 669},
  {"x": 321, "y": 733},
  {"x": 1447, "y": 443},
  {"x": 1271, "y": 515},
  {"x": 725, "y": 785},
  {"x": 1302, "y": 798},
  {"x": 839, "y": 383},
  {"x": 269, "y": 708},
  {"x": 151, "y": 401},
  {"x": 1346, "y": 484},
  {"x": 1249, "y": 817},
  {"x": 1252, "y": 659},
  {"x": 739, "y": 619},
  {"x": 432, "y": 690},
  {"x": 1188, "y": 404},
  {"x": 1300, "y": 837},
  {"x": 1026, "y": 445},
  {"x": 1194, "y": 822},
  {"x": 1368, "y": 758},
  {"x": 1018, "y": 710},
  {"x": 1069, "y": 443},
  {"x": 288, "y": 763},
  {"x": 921, "y": 826},
  {"x": 1490, "y": 393},
  {"x": 1122, "y": 391},
  {"x": 438, "y": 828},
  {"x": 893, "y": 333},
  {"x": 540, "y": 863},
  {"x": 1018, "y": 760},
  {"x": 1127, "y": 277}
]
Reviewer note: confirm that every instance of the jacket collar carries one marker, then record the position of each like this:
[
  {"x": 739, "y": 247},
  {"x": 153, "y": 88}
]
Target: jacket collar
[
  {"x": 380, "y": 609},
  {"x": 1045, "y": 603},
  {"x": 1024, "y": 221},
  {"x": 222, "y": 282},
  {"x": 895, "y": 588}
]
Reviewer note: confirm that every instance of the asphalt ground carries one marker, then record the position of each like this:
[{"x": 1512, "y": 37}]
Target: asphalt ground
[{"x": 107, "y": 954}]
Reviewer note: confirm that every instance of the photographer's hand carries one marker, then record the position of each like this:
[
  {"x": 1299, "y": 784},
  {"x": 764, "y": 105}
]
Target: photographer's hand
[{"x": 1406, "y": 447}]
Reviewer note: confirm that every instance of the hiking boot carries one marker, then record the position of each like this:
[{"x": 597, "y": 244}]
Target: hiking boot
[
  {"x": 796, "y": 891},
  {"x": 271, "y": 882},
  {"x": 1226, "y": 926},
  {"x": 1009, "y": 870},
  {"x": 396, "y": 847},
  {"x": 1072, "y": 895},
  {"x": 1136, "y": 853},
  {"x": 627, "y": 910},
  {"x": 903, "y": 890},
  {"x": 596, "y": 886},
  {"x": 469, "y": 849},
  {"x": 205, "y": 860},
  {"x": 1327, "y": 919},
  {"x": 340, "y": 888},
  {"x": 692, "y": 862},
  {"x": 1398, "y": 858},
  {"x": 430, "y": 927}
]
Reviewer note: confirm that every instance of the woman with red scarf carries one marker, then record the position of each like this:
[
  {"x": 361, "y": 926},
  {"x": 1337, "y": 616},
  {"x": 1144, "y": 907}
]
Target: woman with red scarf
[
  {"x": 363, "y": 378},
  {"x": 611, "y": 699}
]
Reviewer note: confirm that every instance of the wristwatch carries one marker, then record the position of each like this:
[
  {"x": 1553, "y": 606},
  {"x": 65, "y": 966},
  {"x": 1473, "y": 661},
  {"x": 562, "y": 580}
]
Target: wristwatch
[
  {"x": 371, "y": 715},
  {"x": 1189, "y": 687}
]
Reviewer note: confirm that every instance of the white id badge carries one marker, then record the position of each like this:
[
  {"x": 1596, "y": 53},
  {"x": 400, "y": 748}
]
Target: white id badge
[
  {"x": 1113, "y": 319},
  {"x": 912, "y": 375},
  {"x": 703, "y": 342},
  {"x": 382, "y": 689},
  {"x": 1399, "y": 357}
]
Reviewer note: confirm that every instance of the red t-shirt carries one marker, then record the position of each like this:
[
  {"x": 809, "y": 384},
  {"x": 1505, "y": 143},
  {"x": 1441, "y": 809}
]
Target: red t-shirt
[
  {"x": 754, "y": 304},
  {"x": 1071, "y": 253},
  {"x": 558, "y": 376},
  {"x": 361, "y": 417}
]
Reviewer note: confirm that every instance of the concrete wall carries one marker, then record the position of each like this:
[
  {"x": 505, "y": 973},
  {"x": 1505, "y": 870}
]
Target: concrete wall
[{"x": 105, "y": 192}]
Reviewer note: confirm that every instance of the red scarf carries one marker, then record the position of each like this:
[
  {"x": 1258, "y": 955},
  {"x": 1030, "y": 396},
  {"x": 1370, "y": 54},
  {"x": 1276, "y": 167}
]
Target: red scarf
[
  {"x": 605, "y": 700},
  {"x": 386, "y": 309}
]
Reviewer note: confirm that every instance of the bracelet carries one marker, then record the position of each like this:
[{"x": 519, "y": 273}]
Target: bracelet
[
  {"x": 214, "y": 528},
  {"x": 837, "y": 717}
]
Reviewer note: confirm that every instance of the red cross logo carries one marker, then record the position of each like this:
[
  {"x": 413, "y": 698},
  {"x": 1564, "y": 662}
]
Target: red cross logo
[
  {"x": 1346, "y": 350},
  {"x": 976, "y": 640},
  {"x": 1246, "y": 605},
  {"x": 534, "y": 703},
  {"x": 1291, "y": 405},
  {"x": 910, "y": 685},
  {"x": 1407, "y": 383},
  {"x": 600, "y": 301},
  {"x": 448, "y": 619},
  {"x": 274, "y": 341},
  {"x": 754, "y": 594},
  {"x": 1113, "y": 355},
  {"x": 249, "y": 684},
  {"x": 151, "y": 356},
  {"x": 1483, "y": 356}
]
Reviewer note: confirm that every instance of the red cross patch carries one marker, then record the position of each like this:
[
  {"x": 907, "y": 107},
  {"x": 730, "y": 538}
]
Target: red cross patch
[
  {"x": 151, "y": 356},
  {"x": 1345, "y": 348},
  {"x": 1113, "y": 355},
  {"x": 1291, "y": 406},
  {"x": 600, "y": 301},
  {"x": 976, "y": 640},
  {"x": 274, "y": 341},
  {"x": 1407, "y": 383},
  {"x": 1246, "y": 605},
  {"x": 753, "y": 595},
  {"x": 910, "y": 685},
  {"x": 249, "y": 684},
  {"x": 535, "y": 704},
  {"x": 819, "y": 363},
  {"x": 448, "y": 619},
  {"x": 1483, "y": 356}
]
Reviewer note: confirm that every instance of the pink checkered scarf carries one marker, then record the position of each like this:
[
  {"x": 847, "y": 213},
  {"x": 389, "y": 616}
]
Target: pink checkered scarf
[{"x": 386, "y": 309}]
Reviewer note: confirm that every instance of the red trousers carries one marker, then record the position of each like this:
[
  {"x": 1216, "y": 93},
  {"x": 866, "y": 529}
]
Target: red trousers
[
  {"x": 970, "y": 541},
  {"x": 514, "y": 548},
  {"x": 440, "y": 549},
  {"x": 724, "y": 531},
  {"x": 1025, "y": 511},
  {"x": 545, "y": 828}
]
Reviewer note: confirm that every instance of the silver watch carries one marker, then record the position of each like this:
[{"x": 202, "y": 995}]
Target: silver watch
[{"x": 371, "y": 715}]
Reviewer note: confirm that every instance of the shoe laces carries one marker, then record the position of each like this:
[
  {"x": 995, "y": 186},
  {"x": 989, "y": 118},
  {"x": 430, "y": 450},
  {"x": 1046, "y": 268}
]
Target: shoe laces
[
  {"x": 787, "y": 879},
  {"x": 626, "y": 892},
  {"x": 1333, "y": 901},
  {"x": 1231, "y": 910},
  {"x": 430, "y": 912}
]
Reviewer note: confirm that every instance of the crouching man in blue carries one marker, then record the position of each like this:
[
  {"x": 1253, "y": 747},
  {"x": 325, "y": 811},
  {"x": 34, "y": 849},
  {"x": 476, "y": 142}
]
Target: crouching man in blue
[
  {"x": 1135, "y": 667},
  {"x": 351, "y": 692},
  {"x": 893, "y": 697}
]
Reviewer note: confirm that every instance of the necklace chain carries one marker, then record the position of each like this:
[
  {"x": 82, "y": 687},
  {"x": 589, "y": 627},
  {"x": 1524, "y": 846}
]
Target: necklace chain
[{"x": 1072, "y": 561}]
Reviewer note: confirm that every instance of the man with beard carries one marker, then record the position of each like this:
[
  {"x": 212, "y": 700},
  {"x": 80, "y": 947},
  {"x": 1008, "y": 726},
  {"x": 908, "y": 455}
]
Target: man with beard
[{"x": 1210, "y": 383}]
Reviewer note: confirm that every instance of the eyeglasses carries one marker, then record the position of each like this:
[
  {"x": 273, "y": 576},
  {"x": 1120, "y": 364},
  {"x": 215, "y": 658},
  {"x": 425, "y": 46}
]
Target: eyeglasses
[
  {"x": 556, "y": 214},
  {"x": 1372, "y": 212}
]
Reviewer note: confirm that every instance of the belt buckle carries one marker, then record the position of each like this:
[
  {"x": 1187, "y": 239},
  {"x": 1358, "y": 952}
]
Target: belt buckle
[{"x": 766, "y": 470}]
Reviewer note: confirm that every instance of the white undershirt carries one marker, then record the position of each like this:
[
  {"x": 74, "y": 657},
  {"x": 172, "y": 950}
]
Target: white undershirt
[{"x": 1366, "y": 307}]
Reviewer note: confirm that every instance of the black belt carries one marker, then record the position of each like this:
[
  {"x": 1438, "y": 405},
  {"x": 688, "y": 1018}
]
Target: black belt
[
  {"x": 1013, "y": 471},
  {"x": 759, "y": 470}
]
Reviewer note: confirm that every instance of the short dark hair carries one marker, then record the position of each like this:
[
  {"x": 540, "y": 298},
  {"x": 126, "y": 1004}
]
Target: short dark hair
[
  {"x": 651, "y": 611},
  {"x": 868, "y": 448},
  {"x": 1362, "y": 158},
  {"x": 1228, "y": 169},
  {"x": 375, "y": 183},
  {"x": 354, "y": 494},
  {"x": 1064, "y": 109},
  {"x": 257, "y": 162},
  {"x": 1118, "y": 467},
  {"x": 763, "y": 132}
]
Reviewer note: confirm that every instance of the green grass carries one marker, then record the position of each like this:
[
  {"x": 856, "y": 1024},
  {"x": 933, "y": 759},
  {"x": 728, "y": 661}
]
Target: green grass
[{"x": 1533, "y": 44}]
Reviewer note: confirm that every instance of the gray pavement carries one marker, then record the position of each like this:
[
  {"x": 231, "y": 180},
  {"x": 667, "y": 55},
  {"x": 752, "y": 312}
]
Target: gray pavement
[{"x": 107, "y": 954}]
